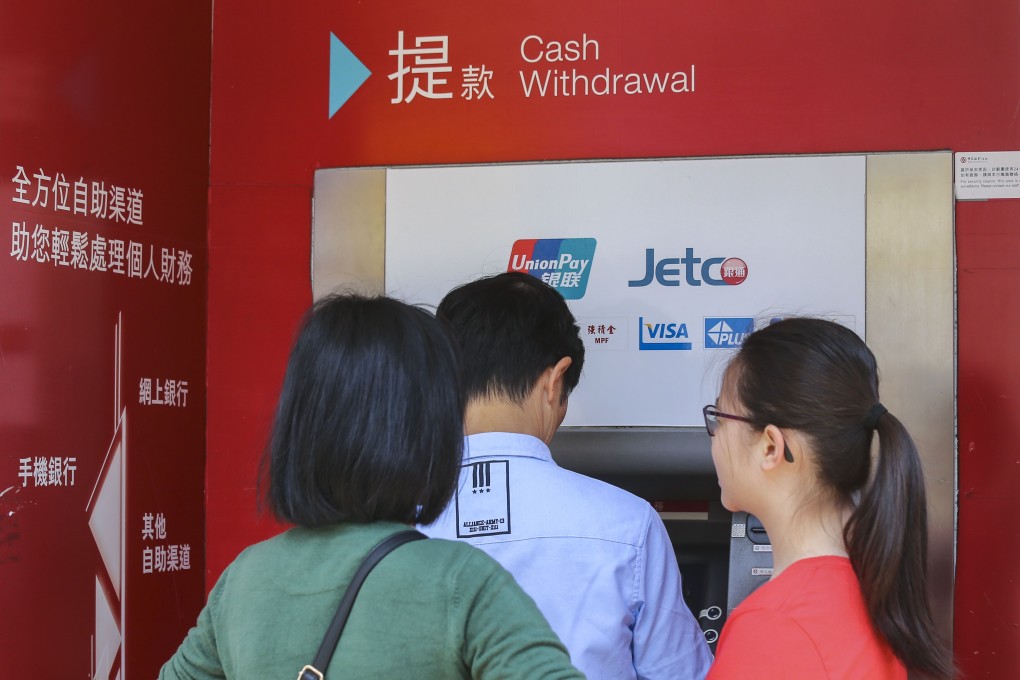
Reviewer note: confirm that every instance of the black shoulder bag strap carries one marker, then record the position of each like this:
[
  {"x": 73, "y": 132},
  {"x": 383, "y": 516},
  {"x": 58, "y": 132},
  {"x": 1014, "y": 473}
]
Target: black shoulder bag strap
[{"x": 322, "y": 657}]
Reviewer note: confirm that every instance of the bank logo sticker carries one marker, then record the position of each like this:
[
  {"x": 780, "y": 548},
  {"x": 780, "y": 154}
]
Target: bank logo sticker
[
  {"x": 727, "y": 332},
  {"x": 483, "y": 499},
  {"x": 563, "y": 263},
  {"x": 662, "y": 335},
  {"x": 733, "y": 271},
  {"x": 691, "y": 270},
  {"x": 601, "y": 333}
]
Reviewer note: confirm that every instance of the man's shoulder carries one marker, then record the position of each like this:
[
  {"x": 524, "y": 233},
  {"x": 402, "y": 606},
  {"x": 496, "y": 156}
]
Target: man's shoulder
[
  {"x": 599, "y": 492},
  {"x": 548, "y": 500},
  {"x": 569, "y": 484}
]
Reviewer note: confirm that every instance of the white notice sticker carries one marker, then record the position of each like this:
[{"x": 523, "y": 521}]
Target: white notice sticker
[{"x": 987, "y": 174}]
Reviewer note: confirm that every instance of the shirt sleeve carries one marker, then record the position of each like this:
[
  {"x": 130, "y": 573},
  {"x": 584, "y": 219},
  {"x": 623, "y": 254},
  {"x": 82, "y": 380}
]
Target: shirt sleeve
[
  {"x": 505, "y": 635},
  {"x": 198, "y": 657},
  {"x": 765, "y": 645},
  {"x": 668, "y": 642}
]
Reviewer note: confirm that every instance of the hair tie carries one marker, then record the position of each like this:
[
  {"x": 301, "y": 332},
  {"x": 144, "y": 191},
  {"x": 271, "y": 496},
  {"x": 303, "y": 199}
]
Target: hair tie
[{"x": 876, "y": 412}]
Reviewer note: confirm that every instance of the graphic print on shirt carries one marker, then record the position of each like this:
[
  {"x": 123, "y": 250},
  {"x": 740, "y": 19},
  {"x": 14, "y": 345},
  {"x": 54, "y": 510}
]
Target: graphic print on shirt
[{"x": 483, "y": 505}]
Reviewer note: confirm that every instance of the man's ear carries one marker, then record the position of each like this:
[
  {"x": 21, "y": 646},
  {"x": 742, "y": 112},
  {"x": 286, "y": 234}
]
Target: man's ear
[
  {"x": 552, "y": 386},
  {"x": 774, "y": 448}
]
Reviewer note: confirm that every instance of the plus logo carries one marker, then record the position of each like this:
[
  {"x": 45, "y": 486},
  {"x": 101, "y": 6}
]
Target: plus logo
[
  {"x": 714, "y": 271},
  {"x": 727, "y": 332}
]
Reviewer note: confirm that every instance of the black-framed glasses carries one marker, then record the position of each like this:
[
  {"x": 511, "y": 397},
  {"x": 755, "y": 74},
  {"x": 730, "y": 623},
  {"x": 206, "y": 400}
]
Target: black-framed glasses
[{"x": 712, "y": 416}]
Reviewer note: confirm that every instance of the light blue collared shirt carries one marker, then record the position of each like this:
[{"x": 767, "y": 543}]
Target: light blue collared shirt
[{"x": 595, "y": 558}]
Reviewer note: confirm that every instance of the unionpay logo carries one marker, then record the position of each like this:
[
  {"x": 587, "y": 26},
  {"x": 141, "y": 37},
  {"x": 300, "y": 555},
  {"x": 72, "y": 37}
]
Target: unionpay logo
[
  {"x": 665, "y": 335},
  {"x": 563, "y": 263},
  {"x": 727, "y": 332}
]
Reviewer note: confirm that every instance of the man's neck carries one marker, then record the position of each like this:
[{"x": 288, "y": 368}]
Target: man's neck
[{"x": 500, "y": 415}]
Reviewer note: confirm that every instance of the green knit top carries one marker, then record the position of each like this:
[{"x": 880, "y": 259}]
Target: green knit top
[{"x": 430, "y": 609}]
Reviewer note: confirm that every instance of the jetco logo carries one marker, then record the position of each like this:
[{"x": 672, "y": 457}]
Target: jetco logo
[
  {"x": 658, "y": 336},
  {"x": 563, "y": 263},
  {"x": 714, "y": 271},
  {"x": 727, "y": 332}
]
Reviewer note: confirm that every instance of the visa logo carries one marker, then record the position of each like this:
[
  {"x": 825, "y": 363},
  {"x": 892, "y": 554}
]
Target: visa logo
[
  {"x": 727, "y": 332},
  {"x": 715, "y": 271},
  {"x": 660, "y": 336},
  {"x": 563, "y": 263}
]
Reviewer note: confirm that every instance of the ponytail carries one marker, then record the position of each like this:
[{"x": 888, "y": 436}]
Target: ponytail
[
  {"x": 820, "y": 378},
  {"x": 887, "y": 541}
]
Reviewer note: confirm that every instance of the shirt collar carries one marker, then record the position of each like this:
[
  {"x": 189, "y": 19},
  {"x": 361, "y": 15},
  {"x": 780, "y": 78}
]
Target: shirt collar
[{"x": 487, "y": 444}]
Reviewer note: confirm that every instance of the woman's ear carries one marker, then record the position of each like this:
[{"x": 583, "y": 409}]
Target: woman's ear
[{"x": 775, "y": 448}]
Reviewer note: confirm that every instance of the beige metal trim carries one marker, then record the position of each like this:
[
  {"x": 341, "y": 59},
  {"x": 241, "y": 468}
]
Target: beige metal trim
[
  {"x": 910, "y": 303},
  {"x": 349, "y": 231}
]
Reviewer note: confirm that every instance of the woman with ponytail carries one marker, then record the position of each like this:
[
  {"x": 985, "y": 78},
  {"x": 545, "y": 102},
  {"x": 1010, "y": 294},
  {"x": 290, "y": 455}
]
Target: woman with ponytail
[{"x": 793, "y": 432}]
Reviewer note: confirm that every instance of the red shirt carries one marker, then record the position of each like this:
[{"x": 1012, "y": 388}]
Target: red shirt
[{"x": 809, "y": 622}]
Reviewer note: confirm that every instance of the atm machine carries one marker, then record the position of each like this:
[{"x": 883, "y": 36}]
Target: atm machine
[{"x": 667, "y": 264}]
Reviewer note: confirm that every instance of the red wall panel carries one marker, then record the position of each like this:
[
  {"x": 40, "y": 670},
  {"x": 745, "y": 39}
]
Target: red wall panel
[
  {"x": 987, "y": 594},
  {"x": 794, "y": 77},
  {"x": 114, "y": 93},
  {"x": 251, "y": 327}
]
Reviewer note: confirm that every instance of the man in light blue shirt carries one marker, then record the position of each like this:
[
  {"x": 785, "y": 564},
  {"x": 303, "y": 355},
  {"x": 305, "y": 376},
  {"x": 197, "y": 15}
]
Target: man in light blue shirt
[{"x": 596, "y": 559}]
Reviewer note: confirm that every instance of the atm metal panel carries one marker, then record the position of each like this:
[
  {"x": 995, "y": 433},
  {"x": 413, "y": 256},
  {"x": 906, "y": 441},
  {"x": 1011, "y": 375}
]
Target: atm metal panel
[{"x": 910, "y": 317}]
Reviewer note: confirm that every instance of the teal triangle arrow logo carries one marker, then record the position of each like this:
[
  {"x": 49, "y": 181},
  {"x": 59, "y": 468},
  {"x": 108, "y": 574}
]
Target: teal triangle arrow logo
[{"x": 346, "y": 74}]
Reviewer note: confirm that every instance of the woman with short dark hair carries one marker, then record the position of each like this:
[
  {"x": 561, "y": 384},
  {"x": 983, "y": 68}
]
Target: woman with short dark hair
[
  {"x": 366, "y": 441},
  {"x": 792, "y": 435}
]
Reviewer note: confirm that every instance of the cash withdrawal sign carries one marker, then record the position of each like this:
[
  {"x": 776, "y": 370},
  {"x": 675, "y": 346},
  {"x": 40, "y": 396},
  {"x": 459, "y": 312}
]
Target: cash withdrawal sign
[{"x": 667, "y": 265}]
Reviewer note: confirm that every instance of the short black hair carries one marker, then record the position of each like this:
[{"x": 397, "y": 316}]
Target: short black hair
[
  {"x": 369, "y": 424},
  {"x": 510, "y": 328}
]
